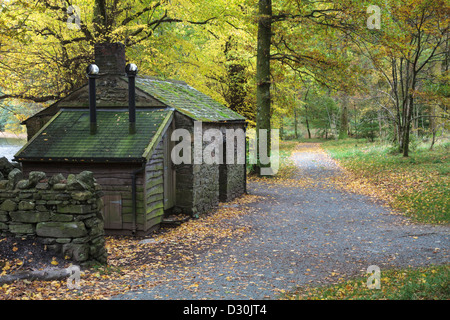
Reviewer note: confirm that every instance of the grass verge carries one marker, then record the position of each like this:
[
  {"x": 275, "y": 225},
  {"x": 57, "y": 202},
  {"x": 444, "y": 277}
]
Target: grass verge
[
  {"x": 428, "y": 283},
  {"x": 417, "y": 185}
]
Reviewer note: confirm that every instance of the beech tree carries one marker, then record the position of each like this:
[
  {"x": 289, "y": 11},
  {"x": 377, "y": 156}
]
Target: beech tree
[
  {"x": 263, "y": 103},
  {"x": 48, "y": 60}
]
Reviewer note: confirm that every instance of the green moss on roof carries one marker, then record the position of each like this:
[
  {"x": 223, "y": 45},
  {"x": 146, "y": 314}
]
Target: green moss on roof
[
  {"x": 68, "y": 136},
  {"x": 187, "y": 100}
]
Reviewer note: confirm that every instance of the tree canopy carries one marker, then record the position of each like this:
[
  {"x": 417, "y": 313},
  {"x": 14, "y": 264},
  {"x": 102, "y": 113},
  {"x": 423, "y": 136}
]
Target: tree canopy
[{"x": 331, "y": 64}]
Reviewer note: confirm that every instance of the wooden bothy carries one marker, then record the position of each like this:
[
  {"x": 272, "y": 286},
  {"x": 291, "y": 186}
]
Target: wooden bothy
[{"x": 134, "y": 167}]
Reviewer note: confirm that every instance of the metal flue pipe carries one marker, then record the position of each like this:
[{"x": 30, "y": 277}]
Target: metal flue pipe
[
  {"x": 131, "y": 71},
  {"x": 92, "y": 73}
]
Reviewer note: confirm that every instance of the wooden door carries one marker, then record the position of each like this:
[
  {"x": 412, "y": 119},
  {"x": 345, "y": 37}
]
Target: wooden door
[
  {"x": 112, "y": 211},
  {"x": 169, "y": 175}
]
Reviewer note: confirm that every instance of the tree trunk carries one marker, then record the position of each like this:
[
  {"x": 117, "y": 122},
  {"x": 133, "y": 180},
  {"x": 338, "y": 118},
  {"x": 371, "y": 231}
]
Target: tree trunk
[
  {"x": 295, "y": 123},
  {"x": 306, "y": 115},
  {"x": 343, "y": 128},
  {"x": 263, "y": 75},
  {"x": 409, "y": 111},
  {"x": 43, "y": 275},
  {"x": 307, "y": 123},
  {"x": 99, "y": 19},
  {"x": 433, "y": 140},
  {"x": 406, "y": 140},
  {"x": 282, "y": 128},
  {"x": 432, "y": 125},
  {"x": 407, "y": 127}
]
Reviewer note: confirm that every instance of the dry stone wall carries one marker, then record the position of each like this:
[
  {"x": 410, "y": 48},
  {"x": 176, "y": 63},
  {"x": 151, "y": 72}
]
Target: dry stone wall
[{"x": 64, "y": 214}]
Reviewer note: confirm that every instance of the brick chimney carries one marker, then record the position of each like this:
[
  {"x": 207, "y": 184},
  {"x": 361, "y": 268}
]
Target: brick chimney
[{"x": 110, "y": 58}]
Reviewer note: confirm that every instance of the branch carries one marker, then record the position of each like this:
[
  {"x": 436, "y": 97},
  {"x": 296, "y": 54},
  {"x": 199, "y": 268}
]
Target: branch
[
  {"x": 43, "y": 275},
  {"x": 31, "y": 98},
  {"x": 87, "y": 34},
  {"x": 156, "y": 23},
  {"x": 138, "y": 14},
  {"x": 285, "y": 16}
]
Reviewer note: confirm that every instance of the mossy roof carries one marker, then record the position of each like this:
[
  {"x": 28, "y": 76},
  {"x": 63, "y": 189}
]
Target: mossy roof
[
  {"x": 67, "y": 136},
  {"x": 112, "y": 92},
  {"x": 187, "y": 100}
]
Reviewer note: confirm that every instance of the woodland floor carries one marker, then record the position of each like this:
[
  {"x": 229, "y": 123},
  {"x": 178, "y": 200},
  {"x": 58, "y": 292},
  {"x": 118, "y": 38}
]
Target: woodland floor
[{"x": 303, "y": 227}]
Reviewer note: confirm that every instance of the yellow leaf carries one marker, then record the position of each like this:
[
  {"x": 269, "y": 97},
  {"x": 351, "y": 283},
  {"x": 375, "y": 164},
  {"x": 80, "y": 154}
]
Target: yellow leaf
[
  {"x": 15, "y": 249},
  {"x": 54, "y": 262}
]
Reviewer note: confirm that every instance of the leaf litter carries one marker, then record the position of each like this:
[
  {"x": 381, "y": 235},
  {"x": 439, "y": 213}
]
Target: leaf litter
[{"x": 129, "y": 258}]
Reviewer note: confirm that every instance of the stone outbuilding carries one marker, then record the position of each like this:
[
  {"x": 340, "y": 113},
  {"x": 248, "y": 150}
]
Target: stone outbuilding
[{"x": 134, "y": 167}]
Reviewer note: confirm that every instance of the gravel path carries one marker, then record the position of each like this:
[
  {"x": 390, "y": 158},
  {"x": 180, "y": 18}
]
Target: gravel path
[{"x": 306, "y": 231}]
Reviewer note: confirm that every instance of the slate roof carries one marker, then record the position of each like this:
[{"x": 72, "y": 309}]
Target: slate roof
[
  {"x": 67, "y": 136},
  {"x": 187, "y": 100}
]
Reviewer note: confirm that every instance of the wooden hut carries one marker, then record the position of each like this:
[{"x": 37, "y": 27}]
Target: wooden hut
[{"x": 135, "y": 169}]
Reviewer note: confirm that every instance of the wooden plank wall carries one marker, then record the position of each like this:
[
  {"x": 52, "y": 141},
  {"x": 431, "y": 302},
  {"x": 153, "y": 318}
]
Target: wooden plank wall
[{"x": 154, "y": 187}]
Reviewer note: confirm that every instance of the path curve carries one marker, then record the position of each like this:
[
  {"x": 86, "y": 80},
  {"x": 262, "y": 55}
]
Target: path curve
[{"x": 305, "y": 231}]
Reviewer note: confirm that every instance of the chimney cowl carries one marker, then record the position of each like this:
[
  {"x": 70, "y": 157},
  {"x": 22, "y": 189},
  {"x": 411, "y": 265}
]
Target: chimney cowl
[
  {"x": 92, "y": 70},
  {"x": 131, "y": 69}
]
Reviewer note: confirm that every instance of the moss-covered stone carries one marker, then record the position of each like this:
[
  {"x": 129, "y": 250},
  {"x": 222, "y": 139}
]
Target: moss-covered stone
[
  {"x": 3, "y": 184},
  {"x": 4, "y": 216},
  {"x": 73, "y": 184},
  {"x": 61, "y": 217},
  {"x": 24, "y": 184},
  {"x": 87, "y": 178},
  {"x": 26, "y": 195},
  {"x": 8, "y": 205},
  {"x": 74, "y": 208},
  {"x": 81, "y": 195},
  {"x": 42, "y": 186},
  {"x": 77, "y": 252},
  {"x": 55, "y": 179},
  {"x": 14, "y": 177},
  {"x": 35, "y": 176},
  {"x": 29, "y": 216},
  {"x": 63, "y": 240},
  {"x": 59, "y": 186},
  {"x": 24, "y": 228},
  {"x": 61, "y": 229},
  {"x": 26, "y": 205}
]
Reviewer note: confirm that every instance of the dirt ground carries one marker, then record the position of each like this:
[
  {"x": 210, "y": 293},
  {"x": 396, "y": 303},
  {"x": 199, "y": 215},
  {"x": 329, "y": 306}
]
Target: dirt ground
[{"x": 21, "y": 254}]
